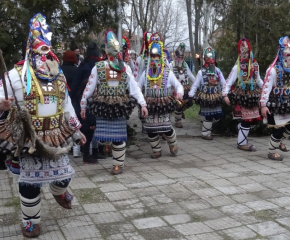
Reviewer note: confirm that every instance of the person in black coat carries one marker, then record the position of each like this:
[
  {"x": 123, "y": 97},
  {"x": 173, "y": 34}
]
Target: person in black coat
[
  {"x": 77, "y": 87},
  {"x": 69, "y": 68}
]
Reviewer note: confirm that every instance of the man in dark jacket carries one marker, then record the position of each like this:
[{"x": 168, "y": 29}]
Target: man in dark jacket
[
  {"x": 68, "y": 67},
  {"x": 77, "y": 87}
]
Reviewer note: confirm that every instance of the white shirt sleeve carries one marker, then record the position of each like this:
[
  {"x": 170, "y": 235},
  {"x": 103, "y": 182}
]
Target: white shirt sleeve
[
  {"x": 189, "y": 74},
  {"x": 175, "y": 83},
  {"x": 221, "y": 77},
  {"x": 259, "y": 80},
  {"x": 230, "y": 80},
  {"x": 16, "y": 84},
  {"x": 90, "y": 87},
  {"x": 70, "y": 115},
  {"x": 134, "y": 89},
  {"x": 267, "y": 86},
  {"x": 141, "y": 81},
  {"x": 196, "y": 84},
  {"x": 136, "y": 67}
]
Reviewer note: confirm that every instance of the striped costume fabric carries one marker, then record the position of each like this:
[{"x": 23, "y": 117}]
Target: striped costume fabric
[
  {"x": 157, "y": 124},
  {"x": 108, "y": 130},
  {"x": 211, "y": 111}
]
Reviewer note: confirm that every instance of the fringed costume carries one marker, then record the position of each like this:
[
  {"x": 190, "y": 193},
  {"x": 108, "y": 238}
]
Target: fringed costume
[
  {"x": 185, "y": 77},
  {"x": 243, "y": 88},
  {"x": 105, "y": 96},
  {"x": 159, "y": 84},
  {"x": 39, "y": 130},
  {"x": 209, "y": 80},
  {"x": 275, "y": 101}
]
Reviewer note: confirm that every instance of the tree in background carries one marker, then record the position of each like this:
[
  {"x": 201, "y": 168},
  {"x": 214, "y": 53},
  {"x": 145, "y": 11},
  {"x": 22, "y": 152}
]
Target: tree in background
[
  {"x": 69, "y": 20},
  {"x": 262, "y": 22}
]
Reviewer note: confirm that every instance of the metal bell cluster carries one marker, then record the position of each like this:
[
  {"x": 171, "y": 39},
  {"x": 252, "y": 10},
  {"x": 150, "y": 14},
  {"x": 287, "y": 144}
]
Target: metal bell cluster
[
  {"x": 162, "y": 105},
  {"x": 208, "y": 100},
  {"x": 276, "y": 106},
  {"x": 112, "y": 107},
  {"x": 245, "y": 98}
]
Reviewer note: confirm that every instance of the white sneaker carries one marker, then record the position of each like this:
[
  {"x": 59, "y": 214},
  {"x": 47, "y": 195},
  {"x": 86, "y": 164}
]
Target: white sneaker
[{"x": 77, "y": 151}]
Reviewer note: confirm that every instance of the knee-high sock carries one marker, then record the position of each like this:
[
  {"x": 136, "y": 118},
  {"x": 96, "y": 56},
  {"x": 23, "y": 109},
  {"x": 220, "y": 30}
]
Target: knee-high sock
[
  {"x": 274, "y": 144},
  {"x": 171, "y": 140},
  {"x": 206, "y": 128},
  {"x": 155, "y": 143},
  {"x": 243, "y": 135},
  {"x": 57, "y": 189},
  {"x": 178, "y": 116},
  {"x": 118, "y": 152},
  {"x": 30, "y": 209}
]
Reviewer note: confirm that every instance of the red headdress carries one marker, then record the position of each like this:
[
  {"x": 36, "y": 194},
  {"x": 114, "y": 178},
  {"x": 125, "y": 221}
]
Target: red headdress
[{"x": 126, "y": 48}]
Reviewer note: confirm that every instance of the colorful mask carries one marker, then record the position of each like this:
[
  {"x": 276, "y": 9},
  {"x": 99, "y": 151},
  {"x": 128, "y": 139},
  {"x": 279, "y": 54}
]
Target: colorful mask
[
  {"x": 40, "y": 62},
  {"x": 209, "y": 60},
  {"x": 284, "y": 53},
  {"x": 244, "y": 63},
  {"x": 179, "y": 52},
  {"x": 244, "y": 50},
  {"x": 145, "y": 44},
  {"x": 156, "y": 65},
  {"x": 126, "y": 48},
  {"x": 167, "y": 55},
  {"x": 113, "y": 51},
  {"x": 40, "y": 34}
]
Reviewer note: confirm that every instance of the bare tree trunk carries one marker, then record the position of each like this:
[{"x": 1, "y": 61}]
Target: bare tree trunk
[
  {"x": 207, "y": 10},
  {"x": 189, "y": 21}
]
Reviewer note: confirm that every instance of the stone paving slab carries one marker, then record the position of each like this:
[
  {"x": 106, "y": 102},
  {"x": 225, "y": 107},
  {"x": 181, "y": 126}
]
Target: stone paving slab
[{"x": 209, "y": 191}]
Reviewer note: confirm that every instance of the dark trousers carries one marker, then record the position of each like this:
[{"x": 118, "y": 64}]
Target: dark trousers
[
  {"x": 89, "y": 136},
  {"x": 168, "y": 134},
  {"x": 277, "y": 133},
  {"x": 245, "y": 124},
  {"x": 31, "y": 191}
]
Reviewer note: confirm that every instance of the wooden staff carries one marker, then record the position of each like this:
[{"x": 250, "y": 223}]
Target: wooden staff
[{"x": 3, "y": 70}]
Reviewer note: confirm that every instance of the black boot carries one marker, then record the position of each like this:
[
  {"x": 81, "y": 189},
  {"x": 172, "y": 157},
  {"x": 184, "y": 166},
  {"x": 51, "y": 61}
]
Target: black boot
[
  {"x": 2, "y": 162},
  {"x": 88, "y": 159},
  {"x": 98, "y": 154}
]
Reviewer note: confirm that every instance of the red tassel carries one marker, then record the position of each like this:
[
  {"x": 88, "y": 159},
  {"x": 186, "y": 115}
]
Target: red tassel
[{"x": 67, "y": 86}]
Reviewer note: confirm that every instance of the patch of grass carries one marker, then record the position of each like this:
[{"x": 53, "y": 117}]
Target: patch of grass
[
  {"x": 192, "y": 112},
  {"x": 130, "y": 131},
  {"x": 14, "y": 202},
  {"x": 89, "y": 195},
  {"x": 264, "y": 214}
]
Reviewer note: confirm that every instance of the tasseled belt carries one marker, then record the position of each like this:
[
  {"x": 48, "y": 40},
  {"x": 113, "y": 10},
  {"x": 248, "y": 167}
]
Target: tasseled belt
[
  {"x": 161, "y": 105},
  {"x": 245, "y": 98},
  {"x": 60, "y": 136},
  {"x": 111, "y": 107},
  {"x": 209, "y": 96}
]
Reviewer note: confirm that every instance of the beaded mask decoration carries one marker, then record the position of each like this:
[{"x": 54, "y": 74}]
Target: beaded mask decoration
[
  {"x": 145, "y": 44},
  {"x": 156, "y": 56},
  {"x": 244, "y": 62},
  {"x": 113, "y": 51},
  {"x": 179, "y": 52},
  {"x": 40, "y": 62},
  {"x": 284, "y": 53},
  {"x": 209, "y": 58},
  {"x": 126, "y": 48}
]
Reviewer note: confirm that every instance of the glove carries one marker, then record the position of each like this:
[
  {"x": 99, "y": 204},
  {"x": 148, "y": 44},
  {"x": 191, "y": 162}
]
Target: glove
[{"x": 190, "y": 103}]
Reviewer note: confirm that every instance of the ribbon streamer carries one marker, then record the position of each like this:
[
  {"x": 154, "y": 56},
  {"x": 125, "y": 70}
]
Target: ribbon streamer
[{"x": 36, "y": 84}]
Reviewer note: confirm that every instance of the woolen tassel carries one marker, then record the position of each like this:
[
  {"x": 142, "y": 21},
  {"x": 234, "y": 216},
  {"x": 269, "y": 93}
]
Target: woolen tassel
[{"x": 28, "y": 76}]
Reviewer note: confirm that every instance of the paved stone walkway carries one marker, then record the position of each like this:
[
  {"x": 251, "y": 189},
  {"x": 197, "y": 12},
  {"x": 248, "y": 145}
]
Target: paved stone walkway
[{"x": 210, "y": 191}]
